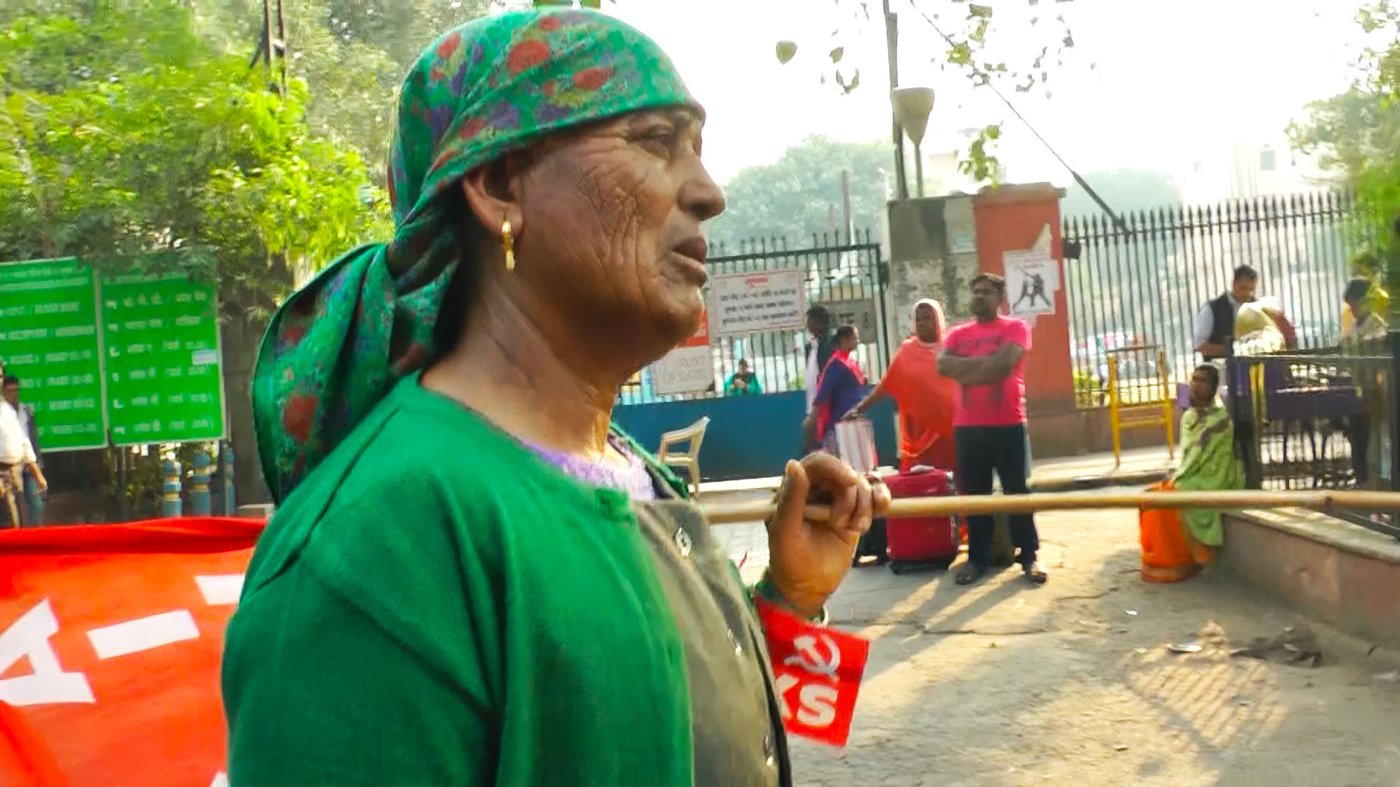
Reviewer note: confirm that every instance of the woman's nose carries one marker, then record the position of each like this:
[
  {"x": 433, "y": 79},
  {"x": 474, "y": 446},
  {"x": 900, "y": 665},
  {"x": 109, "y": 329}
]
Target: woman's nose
[{"x": 700, "y": 196}]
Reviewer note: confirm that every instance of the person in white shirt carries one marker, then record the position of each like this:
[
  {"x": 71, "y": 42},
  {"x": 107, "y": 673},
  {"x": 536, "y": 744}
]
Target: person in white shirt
[
  {"x": 31, "y": 509},
  {"x": 16, "y": 456},
  {"x": 1213, "y": 330}
]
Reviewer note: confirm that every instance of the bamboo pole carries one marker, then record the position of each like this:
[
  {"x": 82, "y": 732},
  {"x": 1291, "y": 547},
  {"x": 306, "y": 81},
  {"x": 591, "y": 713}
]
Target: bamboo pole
[{"x": 1319, "y": 500}]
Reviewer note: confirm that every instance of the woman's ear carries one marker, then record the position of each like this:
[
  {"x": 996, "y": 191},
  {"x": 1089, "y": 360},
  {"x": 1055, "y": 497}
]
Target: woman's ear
[{"x": 492, "y": 195}]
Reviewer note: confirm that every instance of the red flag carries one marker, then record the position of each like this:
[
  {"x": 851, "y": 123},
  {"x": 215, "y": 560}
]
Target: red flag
[
  {"x": 818, "y": 672},
  {"x": 111, "y": 636},
  {"x": 110, "y": 639}
]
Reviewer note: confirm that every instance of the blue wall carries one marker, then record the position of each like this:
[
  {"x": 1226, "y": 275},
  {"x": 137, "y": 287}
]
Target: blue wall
[{"x": 748, "y": 436}]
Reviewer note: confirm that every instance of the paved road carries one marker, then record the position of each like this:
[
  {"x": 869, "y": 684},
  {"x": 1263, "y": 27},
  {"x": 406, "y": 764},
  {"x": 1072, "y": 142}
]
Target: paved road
[{"x": 1005, "y": 684}]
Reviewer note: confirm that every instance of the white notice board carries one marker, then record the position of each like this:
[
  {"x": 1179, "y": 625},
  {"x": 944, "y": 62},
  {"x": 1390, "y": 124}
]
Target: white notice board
[
  {"x": 758, "y": 302},
  {"x": 683, "y": 370}
]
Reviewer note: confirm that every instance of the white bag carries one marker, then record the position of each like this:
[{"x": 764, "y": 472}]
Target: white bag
[{"x": 854, "y": 442}]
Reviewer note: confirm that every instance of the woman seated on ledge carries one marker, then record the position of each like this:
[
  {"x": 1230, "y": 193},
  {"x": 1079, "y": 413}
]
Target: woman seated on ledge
[{"x": 1175, "y": 545}]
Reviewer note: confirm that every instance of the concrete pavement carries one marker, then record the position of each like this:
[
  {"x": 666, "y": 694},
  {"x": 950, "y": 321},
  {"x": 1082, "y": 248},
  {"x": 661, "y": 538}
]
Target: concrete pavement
[{"x": 1006, "y": 684}]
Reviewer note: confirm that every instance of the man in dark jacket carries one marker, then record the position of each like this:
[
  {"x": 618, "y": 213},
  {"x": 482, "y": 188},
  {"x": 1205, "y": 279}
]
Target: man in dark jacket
[{"x": 1214, "y": 329}]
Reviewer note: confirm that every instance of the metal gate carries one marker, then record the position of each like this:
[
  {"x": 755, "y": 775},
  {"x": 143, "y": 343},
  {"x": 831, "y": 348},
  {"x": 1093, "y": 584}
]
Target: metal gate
[
  {"x": 1140, "y": 285},
  {"x": 847, "y": 274}
]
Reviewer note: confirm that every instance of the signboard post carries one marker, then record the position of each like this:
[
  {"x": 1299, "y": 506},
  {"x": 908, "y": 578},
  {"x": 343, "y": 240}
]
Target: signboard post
[
  {"x": 164, "y": 375},
  {"x": 744, "y": 303},
  {"x": 49, "y": 339},
  {"x": 136, "y": 354},
  {"x": 689, "y": 368}
]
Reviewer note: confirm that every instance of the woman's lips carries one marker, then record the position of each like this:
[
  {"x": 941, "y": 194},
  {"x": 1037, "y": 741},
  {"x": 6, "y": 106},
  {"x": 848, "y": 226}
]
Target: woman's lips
[
  {"x": 694, "y": 248},
  {"x": 691, "y": 255}
]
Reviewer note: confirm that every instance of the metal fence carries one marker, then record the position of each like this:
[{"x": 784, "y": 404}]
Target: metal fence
[
  {"x": 845, "y": 273},
  {"x": 1142, "y": 283},
  {"x": 1323, "y": 420}
]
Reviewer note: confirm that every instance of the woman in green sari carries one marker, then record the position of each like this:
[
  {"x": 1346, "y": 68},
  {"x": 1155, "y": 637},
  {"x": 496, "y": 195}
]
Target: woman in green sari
[
  {"x": 472, "y": 577},
  {"x": 1176, "y": 544}
]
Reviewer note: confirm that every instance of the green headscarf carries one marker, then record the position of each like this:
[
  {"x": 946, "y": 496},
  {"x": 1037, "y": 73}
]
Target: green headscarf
[{"x": 491, "y": 86}]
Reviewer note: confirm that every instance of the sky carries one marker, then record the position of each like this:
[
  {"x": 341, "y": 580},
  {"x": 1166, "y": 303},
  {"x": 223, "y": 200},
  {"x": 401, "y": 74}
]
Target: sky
[{"x": 1171, "y": 80}]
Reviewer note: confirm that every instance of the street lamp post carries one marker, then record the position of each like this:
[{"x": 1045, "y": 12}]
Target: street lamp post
[{"x": 892, "y": 53}]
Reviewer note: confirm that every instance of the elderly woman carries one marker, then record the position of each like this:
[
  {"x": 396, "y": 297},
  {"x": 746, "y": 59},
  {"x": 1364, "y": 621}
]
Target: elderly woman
[
  {"x": 925, "y": 398},
  {"x": 473, "y": 579}
]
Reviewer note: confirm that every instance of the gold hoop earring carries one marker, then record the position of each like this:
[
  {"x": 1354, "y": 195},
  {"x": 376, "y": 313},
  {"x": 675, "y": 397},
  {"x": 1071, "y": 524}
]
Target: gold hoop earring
[{"x": 508, "y": 243}]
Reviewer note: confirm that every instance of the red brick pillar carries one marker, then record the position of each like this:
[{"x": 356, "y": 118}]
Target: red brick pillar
[{"x": 1012, "y": 218}]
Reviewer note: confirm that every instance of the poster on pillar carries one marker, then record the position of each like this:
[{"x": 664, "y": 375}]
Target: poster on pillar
[
  {"x": 1032, "y": 281},
  {"x": 689, "y": 368}
]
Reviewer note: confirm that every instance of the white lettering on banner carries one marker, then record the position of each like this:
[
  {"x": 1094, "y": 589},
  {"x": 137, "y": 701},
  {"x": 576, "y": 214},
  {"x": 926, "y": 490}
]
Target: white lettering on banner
[
  {"x": 756, "y": 302},
  {"x": 816, "y": 702},
  {"x": 816, "y": 705},
  {"x": 48, "y": 683},
  {"x": 220, "y": 780},
  {"x": 219, "y": 589},
  {"x": 146, "y": 633}
]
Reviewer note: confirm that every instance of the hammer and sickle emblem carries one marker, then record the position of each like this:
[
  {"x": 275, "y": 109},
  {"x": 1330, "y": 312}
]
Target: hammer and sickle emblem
[{"x": 815, "y": 654}]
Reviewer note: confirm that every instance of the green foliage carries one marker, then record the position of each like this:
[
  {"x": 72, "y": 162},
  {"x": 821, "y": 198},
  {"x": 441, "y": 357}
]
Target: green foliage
[
  {"x": 970, "y": 33},
  {"x": 1089, "y": 390},
  {"x": 794, "y": 197},
  {"x": 1357, "y": 135},
  {"x": 353, "y": 55},
  {"x": 123, "y": 132}
]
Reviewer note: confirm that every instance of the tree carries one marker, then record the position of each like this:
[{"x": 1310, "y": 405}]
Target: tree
[
  {"x": 795, "y": 196},
  {"x": 117, "y": 149},
  {"x": 970, "y": 32},
  {"x": 353, "y": 55},
  {"x": 124, "y": 132},
  {"x": 1357, "y": 134}
]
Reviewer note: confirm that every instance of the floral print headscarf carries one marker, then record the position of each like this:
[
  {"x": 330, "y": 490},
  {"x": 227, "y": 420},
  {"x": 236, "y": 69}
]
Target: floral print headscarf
[{"x": 487, "y": 88}]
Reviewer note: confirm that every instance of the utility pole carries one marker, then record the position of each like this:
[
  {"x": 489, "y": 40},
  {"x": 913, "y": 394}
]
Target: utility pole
[
  {"x": 270, "y": 47},
  {"x": 846, "y": 225},
  {"x": 892, "y": 52}
]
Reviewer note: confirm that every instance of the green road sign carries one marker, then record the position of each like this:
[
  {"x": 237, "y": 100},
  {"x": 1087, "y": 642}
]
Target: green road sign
[
  {"x": 163, "y": 368},
  {"x": 48, "y": 338}
]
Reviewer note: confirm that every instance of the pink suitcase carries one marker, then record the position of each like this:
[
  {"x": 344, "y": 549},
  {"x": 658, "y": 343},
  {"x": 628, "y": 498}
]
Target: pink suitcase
[{"x": 921, "y": 541}]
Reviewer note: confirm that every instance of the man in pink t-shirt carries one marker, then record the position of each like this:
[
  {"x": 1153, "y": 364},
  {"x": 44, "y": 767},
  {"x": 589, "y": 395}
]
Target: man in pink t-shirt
[{"x": 987, "y": 358}]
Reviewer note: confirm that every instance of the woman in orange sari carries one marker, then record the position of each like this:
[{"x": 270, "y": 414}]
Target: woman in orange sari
[
  {"x": 1175, "y": 545},
  {"x": 925, "y": 398}
]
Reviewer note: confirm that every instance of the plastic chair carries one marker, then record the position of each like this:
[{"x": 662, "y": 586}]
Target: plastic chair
[{"x": 672, "y": 454}]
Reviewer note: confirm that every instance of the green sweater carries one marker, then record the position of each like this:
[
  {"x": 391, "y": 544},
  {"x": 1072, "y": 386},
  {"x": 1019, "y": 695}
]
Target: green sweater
[{"x": 435, "y": 605}]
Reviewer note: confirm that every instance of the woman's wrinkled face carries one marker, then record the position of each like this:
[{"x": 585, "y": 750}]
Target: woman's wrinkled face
[{"x": 612, "y": 221}]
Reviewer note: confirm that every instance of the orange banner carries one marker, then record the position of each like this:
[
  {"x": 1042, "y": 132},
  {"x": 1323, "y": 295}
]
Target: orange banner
[
  {"x": 111, "y": 636},
  {"x": 110, "y": 640}
]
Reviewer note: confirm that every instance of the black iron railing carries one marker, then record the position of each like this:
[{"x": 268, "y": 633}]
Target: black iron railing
[
  {"x": 1320, "y": 420},
  {"x": 845, "y": 273},
  {"x": 1142, "y": 284}
]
